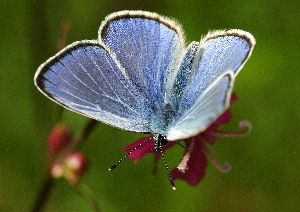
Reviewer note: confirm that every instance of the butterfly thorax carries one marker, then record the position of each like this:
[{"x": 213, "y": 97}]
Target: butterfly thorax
[
  {"x": 160, "y": 141},
  {"x": 161, "y": 120}
]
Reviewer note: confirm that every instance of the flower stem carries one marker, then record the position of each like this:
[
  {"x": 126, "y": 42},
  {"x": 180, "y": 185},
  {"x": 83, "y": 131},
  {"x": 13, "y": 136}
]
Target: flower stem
[
  {"x": 49, "y": 181},
  {"x": 76, "y": 142},
  {"x": 43, "y": 194}
]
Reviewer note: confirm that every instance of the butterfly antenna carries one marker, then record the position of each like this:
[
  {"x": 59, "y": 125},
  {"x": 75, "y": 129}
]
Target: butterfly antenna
[
  {"x": 170, "y": 178},
  {"x": 183, "y": 146},
  {"x": 125, "y": 156}
]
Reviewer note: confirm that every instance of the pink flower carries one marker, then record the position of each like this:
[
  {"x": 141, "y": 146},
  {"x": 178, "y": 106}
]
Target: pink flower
[
  {"x": 145, "y": 148},
  {"x": 194, "y": 162}
]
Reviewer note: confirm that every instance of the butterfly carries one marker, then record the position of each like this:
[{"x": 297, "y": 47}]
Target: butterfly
[{"x": 140, "y": 76}]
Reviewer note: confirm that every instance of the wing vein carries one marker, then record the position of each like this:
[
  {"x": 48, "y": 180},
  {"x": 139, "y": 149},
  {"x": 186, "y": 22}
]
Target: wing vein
[
  {"x": 119, "y": 99},
  {"x": 76, "y": 77},
  {"x": 63, "y": 90},
  {"x": 87, "y": 73},
  {"x": 103, "y": 95}
]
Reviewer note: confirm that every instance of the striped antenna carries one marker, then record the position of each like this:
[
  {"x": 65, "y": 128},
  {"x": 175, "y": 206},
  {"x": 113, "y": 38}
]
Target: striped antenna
[
  {"x": 183, "y": 146},
  {"x": 169, "y": 175},
  {"x": 125, "y": 156}
]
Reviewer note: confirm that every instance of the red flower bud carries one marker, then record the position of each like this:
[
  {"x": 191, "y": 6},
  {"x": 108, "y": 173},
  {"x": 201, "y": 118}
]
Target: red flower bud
[
  {"x": 59, "y": 137},
  {"x": 77, "y": 162}
]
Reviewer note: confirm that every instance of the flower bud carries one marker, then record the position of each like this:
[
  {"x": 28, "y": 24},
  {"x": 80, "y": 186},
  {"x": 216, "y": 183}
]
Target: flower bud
[
  {"x": 72, "y": 167},
  {"x": 59, "y": 137},
  {"x": 57, "y": 170}
]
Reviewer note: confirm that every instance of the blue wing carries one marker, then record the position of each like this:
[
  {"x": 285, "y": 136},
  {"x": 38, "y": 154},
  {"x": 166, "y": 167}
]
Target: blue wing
[
  {"x": 148, "y": 47},
  {"x": 184, "y": 75},
  {"x": 219, "y": 52},
  {"x": 204, "y": 111},
  {"x": 85, "y": 78}
]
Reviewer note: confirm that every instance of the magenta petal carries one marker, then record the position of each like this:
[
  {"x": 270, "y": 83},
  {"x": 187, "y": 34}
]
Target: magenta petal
[
  {"x": 145, "y": 148},
  {"x": 196, "y": 165},
  {"x": 233, "y": 98},
  {"x": 208, "y": 137},
  {"x": 226, "y": 116},
  {"x": 135, "y": 144},
  {"x": 142, "y": 150}
]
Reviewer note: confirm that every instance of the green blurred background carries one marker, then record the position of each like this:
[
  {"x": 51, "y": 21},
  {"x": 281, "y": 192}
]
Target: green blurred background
[{"x": 265, "y": 164}]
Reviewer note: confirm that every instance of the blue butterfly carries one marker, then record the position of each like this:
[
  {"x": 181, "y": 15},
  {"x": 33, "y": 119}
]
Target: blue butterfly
[{"x": 140, "y": 76}]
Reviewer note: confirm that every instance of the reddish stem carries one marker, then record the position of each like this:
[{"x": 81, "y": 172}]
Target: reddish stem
[{"x": 43, "y": 194}]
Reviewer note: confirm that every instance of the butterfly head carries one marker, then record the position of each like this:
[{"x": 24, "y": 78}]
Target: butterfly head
[{"x": 160, "y": 141}]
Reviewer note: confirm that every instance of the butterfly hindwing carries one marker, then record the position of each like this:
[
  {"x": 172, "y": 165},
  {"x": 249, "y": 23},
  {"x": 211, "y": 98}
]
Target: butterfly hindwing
[
  {"x": 204, "y": 111},
  {"x": 219, "y": 52},
  {"x": 184, "y": 75}
]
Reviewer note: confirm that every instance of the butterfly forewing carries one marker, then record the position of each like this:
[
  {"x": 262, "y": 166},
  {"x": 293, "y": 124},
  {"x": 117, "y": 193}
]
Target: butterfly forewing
[
  {"x": 147, "y": 46},
  {"x": 85, "y": 78}
]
